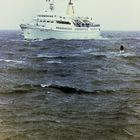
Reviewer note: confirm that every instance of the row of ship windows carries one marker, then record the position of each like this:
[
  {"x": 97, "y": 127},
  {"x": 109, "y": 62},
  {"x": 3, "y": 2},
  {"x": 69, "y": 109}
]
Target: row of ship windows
[
  {"x": 71, "y": 28},
  {"x": 59, "y": 22},
  {"x": 81, "y": 29},
  {"x": 46, "y": 16},
  {"x": 68, "y": 23},
  {"x": 57, "y": 16},
  {"x": 63, "y": 28},
  {"x": 85, "y": 29},
  {"x": 50, "y": 16},
  {"x": 46, "y": 21}
]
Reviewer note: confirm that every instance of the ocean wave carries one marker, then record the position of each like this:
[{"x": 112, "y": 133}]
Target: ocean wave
[
  {"x": 74, "y": 90},
  {"x": 87, "y": 50},
  {"x": 49, "y": 56},
  {"x": 58, "y": 56},
  {"x": 114, "y": 54},
  {"x": 124, "y": 54},
  {"x": 13, "y": 61},
  {"x": 28, "y": 88},
  {"x": 102, "y": 38},
  {"x": 54, "y": 62},
  {"x": 21, "y": 89}
]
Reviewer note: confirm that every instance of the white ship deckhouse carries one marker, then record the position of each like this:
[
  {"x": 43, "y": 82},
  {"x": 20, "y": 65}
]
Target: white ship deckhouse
[{"x": 49, "y": 24}]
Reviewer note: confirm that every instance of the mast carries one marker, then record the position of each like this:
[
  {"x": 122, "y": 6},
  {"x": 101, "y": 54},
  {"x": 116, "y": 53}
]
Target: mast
[
  {"x": 70, "y": 2},
  {"x": 70, "y": 9},
  {"x": 50, "y": 4}
]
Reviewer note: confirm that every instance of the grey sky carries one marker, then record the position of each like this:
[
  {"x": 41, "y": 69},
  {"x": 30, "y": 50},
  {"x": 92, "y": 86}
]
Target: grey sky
[{"x": 111, "y": 14}]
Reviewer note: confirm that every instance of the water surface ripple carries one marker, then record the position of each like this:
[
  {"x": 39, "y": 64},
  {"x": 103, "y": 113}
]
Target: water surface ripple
[{"x": 70, "y": 90}]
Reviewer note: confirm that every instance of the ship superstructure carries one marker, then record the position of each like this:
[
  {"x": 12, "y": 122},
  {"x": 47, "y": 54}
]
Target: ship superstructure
[{"x": 48, "y": 24}]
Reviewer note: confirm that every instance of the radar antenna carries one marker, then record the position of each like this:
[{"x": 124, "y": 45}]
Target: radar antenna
[{"x": 51, "y": 4}]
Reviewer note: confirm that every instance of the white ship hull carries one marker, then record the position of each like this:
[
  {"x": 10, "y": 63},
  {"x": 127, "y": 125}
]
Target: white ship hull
[{"x": 38, "y": 33}]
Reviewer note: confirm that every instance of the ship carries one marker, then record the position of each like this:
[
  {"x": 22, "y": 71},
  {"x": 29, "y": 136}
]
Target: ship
[{"x": 49, "y": 24}]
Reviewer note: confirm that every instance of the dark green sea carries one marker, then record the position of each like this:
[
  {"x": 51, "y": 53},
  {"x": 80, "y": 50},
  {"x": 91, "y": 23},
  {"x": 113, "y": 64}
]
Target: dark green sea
[{"x": 70, "y": 89}]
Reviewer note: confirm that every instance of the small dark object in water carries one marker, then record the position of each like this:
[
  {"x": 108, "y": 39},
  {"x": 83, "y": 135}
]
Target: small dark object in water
[{"x": 121, "y": 48}]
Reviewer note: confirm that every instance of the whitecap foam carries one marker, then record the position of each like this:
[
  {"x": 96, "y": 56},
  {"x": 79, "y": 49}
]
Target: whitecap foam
[
  {"x": 13, "y": 61},
  {"x": 45, "y": 56},
  {"x": 127, "y": 54},
  {"x": 120, "y": 54},
  {"x": 98, "y": 53},
  {"x": 113, "y": 54},
  {"x": 102, "y": 38},
  {"x": 45, "y": 85},
  {"x": 87, "y": 50},
  {"x": 54, "y": 62}
]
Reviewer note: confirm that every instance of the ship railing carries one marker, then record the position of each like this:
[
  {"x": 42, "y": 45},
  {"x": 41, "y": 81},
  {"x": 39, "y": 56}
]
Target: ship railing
[{"x": 96, "y": 25}]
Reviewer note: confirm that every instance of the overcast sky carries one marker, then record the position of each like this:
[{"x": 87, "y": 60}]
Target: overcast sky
[{"x": 111, "y": 14}]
